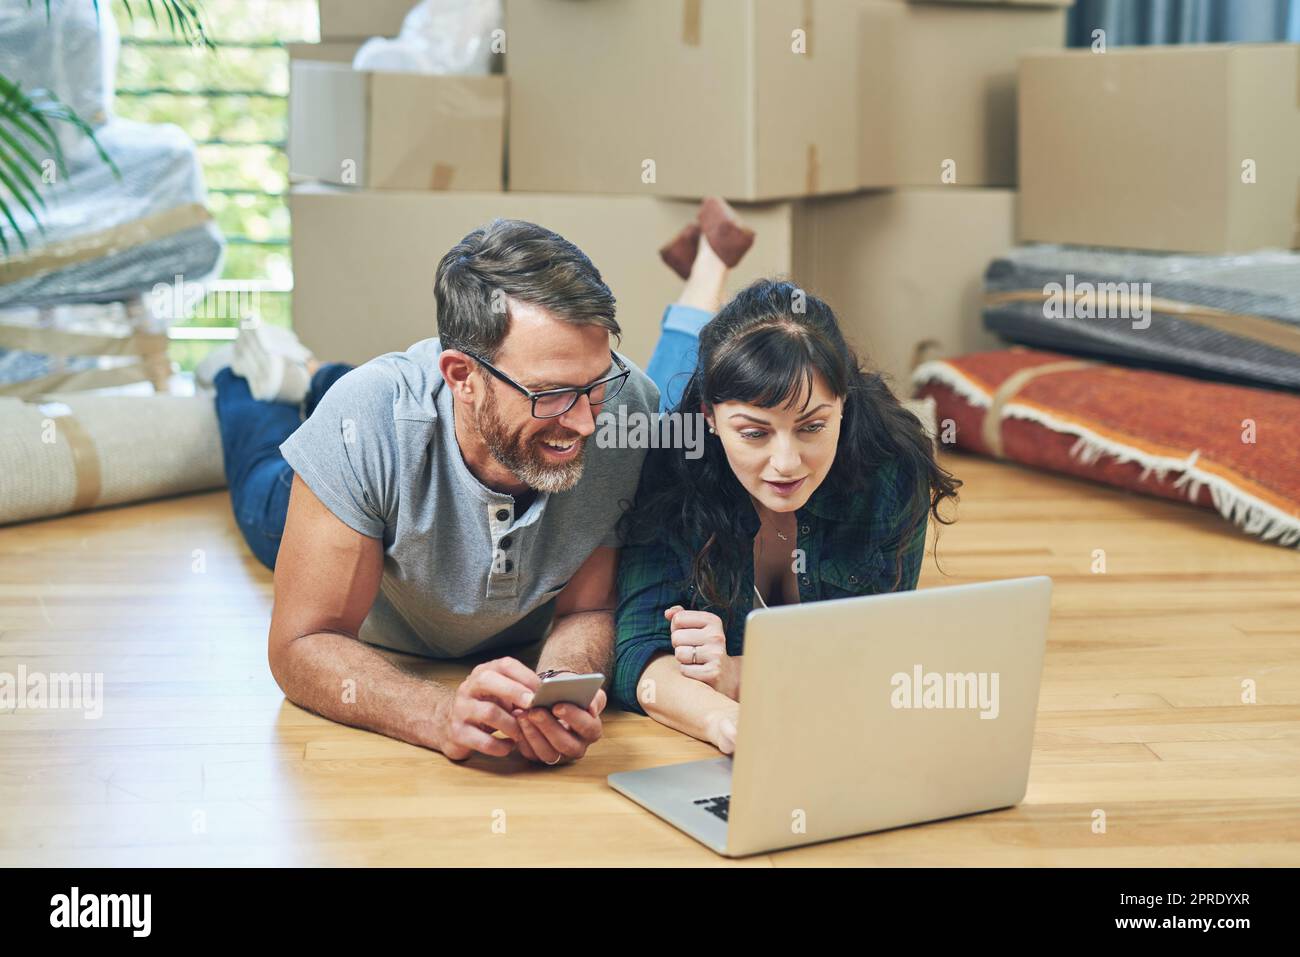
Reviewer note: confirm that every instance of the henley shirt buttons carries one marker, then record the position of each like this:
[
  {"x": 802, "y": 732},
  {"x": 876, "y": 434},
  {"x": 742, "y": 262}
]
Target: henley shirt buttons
[
  {"x": 803, "y": 529},
  {"x": 505, "y": 543},
  {"x": 510, "y": 566},
  {"x": 503, "y": 514}
]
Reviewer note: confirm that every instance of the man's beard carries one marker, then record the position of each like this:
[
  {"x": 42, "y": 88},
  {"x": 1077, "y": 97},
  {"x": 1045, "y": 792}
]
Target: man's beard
[{"x": 522, "y": 457}]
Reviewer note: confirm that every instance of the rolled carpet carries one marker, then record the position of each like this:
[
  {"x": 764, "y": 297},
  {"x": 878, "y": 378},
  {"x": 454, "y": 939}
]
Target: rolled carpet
[
  {"x": 1231, "y": 318},
  {"x": 71, "y": 452},
  {"x": 1232, "y": 448}
]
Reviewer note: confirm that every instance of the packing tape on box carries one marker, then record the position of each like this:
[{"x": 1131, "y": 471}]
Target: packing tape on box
[
  {"x": 691, "y": 22},
  {"x": 1255, "y": 328},
  {"x": 691, "y": 15},
  {"x": 441, "y": 177},
  {"x": 85, "y": 457},
  {"x": 104, "y": 243},
  {"x": 991, "y": 430}
]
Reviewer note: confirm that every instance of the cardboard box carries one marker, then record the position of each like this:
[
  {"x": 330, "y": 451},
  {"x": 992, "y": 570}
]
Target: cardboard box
[
  {"x": 900, "y": 268},
  {"x": 938, "y": 89},
  {"x": 749, "y": 99},
  {"x": 364, "y": 262},
  {"x": 362, "y": 19},
  {"x": 1181, "y": 148},
  {"x": 396, "y": 130},
  {"x": 339, "y": 51},
  {"x": 1002, "y": 3},
  {"x": 904, "y": 269}
]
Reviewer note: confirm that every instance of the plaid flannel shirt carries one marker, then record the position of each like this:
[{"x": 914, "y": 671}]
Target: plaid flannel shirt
[{"x": 850, "y": 544}]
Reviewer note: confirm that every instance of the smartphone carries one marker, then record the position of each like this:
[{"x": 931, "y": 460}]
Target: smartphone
[{"x": 570, "y": 689}]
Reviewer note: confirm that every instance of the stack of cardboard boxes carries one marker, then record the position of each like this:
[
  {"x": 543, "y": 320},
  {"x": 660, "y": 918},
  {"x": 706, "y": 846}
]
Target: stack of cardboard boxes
[
  {"x": 871, "y": 144},
  {"x": 346, "y": 24}
]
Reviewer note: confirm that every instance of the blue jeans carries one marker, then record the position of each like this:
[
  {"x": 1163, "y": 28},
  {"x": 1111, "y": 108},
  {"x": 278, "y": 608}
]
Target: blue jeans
[
  {"x": 252, "y": 430},
  {"x": 674, "y": 357},
  {"x": 258, "y": 476}
]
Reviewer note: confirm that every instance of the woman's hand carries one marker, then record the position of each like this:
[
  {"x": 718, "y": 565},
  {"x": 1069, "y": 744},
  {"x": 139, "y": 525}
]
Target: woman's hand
[
  {"x": 722, "y": 726},
  {"x": 700, "y": 647}
]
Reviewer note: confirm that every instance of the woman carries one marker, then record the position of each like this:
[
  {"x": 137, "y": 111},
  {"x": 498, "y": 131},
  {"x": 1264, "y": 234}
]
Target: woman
[{"x": 814, "y": 483}]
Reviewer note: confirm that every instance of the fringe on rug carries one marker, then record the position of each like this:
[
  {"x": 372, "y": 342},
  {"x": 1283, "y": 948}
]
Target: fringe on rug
[{"x": 1250, "y": 514}]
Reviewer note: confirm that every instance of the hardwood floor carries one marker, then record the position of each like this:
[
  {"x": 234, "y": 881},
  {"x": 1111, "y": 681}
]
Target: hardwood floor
[{"x": 199, "y": 760}]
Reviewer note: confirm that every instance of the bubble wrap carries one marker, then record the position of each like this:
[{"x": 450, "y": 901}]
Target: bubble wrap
[{"x": 160, "y": 172}]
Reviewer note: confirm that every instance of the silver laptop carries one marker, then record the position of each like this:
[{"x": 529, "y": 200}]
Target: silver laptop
[{"x": 868, "y": 713}]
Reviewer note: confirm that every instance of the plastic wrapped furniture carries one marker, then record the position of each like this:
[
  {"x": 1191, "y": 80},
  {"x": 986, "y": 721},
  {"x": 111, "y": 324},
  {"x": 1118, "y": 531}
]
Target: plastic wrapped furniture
[{"x": 101, "y": 238}]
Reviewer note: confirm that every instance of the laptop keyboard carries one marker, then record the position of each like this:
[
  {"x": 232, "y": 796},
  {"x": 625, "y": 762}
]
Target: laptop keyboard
[{"x": 718, "y": 806}]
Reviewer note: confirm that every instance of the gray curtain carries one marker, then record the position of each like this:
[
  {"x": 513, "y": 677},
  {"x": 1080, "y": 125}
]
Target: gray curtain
[{"x": 1129, "y": 22}]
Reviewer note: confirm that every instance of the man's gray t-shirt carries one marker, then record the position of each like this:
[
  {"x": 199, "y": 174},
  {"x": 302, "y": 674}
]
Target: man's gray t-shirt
[{"x": 464, "y": 571}]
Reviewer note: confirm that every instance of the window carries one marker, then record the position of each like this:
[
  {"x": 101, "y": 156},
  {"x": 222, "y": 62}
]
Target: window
[{"x": 233, "y": 102}]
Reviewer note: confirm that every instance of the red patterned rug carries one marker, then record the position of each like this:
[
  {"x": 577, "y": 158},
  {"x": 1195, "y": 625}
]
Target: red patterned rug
[{"x": 1227, "y": 447}]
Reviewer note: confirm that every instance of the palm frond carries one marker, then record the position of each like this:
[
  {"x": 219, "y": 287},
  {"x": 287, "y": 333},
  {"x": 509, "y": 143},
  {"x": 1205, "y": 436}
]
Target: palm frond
[
  {"x": 26, "y": 130},
  {"x": 184, "y": 17},
  {"x": 18, "y": 164}
]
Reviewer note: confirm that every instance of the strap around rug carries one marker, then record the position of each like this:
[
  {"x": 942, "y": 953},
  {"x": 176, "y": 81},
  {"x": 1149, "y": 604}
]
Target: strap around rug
[
  {"x": 85, "y": 457},
  {"x": 1242, "y": 325},
  {"x": 991, "y": 431}
]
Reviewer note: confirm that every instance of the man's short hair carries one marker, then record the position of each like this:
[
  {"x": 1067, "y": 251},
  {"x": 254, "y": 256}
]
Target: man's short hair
[{"x": 511, "y": 258}]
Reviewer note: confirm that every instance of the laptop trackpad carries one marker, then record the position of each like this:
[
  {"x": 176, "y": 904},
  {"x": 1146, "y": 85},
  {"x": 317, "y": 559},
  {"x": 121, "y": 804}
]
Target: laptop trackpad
[{"x": 692, "y": 781}]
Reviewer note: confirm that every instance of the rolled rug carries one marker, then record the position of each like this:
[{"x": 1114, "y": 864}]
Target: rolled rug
[
  {"x": 1231, "y": 448},
  {"x": 65, "y": 453},
  {"x": 1230, "y": 318}
]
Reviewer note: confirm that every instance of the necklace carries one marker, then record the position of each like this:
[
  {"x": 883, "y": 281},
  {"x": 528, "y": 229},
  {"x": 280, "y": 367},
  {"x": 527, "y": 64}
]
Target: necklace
[{"x": 770, "y": 527}]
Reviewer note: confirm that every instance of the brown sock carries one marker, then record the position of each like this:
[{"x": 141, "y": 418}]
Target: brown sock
[
  {"x": 729, "y": 237},
  {"x": 679, "y": 254}
]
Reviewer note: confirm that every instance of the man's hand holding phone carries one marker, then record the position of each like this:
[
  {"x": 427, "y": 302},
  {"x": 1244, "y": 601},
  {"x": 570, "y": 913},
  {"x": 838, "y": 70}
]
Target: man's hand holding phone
[
  {"x": 547, "y": 719},
  {"x": 485, "y": 702},
  {"x": 564, "y": 719}
]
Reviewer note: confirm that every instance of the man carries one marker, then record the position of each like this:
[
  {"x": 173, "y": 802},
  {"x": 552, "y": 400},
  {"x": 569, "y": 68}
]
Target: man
[{"x": 445, "y": 501}]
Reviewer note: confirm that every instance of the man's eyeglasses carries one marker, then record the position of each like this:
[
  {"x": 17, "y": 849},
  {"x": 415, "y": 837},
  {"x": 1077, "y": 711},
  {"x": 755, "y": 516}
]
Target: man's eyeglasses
[{"x": 555, "y": 402}]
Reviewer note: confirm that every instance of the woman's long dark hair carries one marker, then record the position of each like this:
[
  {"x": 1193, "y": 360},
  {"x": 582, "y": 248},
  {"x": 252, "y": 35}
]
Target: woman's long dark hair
[{"x": 764, "y": 348}]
